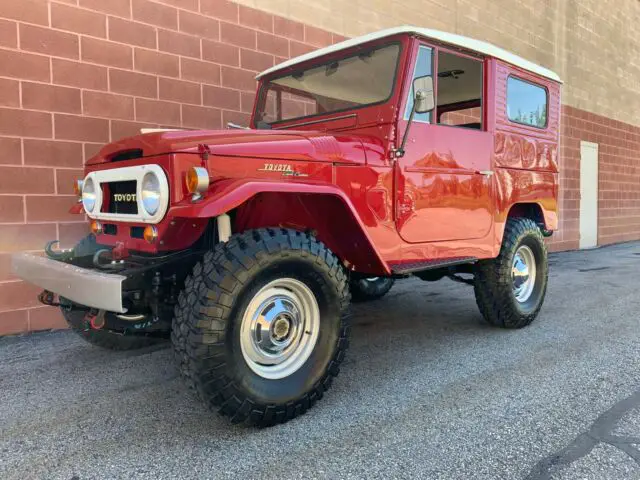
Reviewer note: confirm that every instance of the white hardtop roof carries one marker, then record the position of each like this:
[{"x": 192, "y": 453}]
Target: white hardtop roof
[{"x": 467, "y": 43}]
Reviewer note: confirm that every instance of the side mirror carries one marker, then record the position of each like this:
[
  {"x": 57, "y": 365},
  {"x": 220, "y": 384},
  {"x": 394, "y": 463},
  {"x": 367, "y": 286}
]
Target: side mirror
[{"x": 423, "y": 100}]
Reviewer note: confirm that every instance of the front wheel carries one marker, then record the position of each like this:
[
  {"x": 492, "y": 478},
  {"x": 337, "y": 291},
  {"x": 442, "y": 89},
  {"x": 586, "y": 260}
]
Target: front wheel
[
  {"x": 260, "y": 329},
  {"x": 510, "y": 289}
]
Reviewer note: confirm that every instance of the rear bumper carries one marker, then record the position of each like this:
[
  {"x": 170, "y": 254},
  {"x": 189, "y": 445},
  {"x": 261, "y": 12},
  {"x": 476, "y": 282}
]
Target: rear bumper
[{"x": 80, "y": 285}]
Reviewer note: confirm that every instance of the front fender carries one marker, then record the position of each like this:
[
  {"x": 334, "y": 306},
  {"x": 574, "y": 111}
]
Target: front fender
[{"x": 230, "y": 194}]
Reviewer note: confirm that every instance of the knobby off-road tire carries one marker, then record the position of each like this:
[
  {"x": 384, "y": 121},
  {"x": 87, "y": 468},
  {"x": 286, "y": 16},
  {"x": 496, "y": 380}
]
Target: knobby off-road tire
[
  {"x": 101, "y": 338},
  {"x": 219, "y": 301},
  {"x": 365, "y": 289},
  {"x": 504, "y": 297}
]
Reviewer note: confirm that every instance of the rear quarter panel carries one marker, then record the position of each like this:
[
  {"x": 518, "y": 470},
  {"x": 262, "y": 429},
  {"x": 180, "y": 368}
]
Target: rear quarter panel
[{"x": 525, "y": 157}]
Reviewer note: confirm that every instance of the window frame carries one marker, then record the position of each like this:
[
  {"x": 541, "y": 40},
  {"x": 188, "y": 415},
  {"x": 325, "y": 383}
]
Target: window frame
[
  {"x": 534, "y": 84},
  {"x": 264, "y": 90},
  {"x": 436, "y": 49}
]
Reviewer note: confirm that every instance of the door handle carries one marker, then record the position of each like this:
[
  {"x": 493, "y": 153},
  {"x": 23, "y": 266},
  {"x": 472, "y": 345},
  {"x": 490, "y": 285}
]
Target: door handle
[{"x": 486, "y": 173}]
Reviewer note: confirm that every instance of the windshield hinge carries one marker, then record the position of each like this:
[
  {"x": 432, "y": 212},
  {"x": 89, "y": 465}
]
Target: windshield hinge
[
  {"x": 395, "y": 154},
  {"x": 204, "y": 151}
]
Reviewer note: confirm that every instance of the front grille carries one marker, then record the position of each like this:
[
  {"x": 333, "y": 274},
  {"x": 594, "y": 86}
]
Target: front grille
[
  {"x": 137, "y": 232},
  {"x": 110, "y": 229},
  {"x": 122, "y": 197}
]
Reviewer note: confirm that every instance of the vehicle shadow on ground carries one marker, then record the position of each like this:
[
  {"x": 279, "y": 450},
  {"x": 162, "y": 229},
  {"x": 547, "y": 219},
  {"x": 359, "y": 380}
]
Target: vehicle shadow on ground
[{"x": 391, "y": 338}]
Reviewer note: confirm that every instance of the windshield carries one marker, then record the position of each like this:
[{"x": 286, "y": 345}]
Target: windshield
[{"x": 356, "y": 81}]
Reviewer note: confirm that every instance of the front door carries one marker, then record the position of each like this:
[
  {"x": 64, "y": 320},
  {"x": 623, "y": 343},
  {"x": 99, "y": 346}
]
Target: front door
[{"x": 444, "y": 179}]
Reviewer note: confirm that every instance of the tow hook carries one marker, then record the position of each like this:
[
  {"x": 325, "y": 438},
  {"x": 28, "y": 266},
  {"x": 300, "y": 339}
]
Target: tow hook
[
  {"x": 48, "y": 298},
  {"x": 60, "y": 255},
  {"x": 95, "y": 320}
]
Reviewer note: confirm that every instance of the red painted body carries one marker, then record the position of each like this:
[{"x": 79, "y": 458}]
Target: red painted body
[{"x": 375, "y": 212}]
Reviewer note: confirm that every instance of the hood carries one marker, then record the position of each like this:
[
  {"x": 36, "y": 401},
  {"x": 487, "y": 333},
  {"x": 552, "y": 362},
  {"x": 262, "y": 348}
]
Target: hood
[{"x": 268, "y": 144}]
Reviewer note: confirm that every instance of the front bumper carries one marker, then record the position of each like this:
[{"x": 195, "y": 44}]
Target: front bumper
[{"x": 80, "y": 285}]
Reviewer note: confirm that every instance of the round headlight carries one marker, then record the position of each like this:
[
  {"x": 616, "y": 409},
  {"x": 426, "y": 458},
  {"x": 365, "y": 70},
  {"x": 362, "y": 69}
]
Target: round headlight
[
  {"x": 89, "y": 195},
  {"x": 150, "y": 193}
]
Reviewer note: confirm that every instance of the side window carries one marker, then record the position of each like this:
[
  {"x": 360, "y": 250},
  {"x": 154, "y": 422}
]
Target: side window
[
  {"x": 526, "y": 103},
  {"x": 422, "y": 68}
]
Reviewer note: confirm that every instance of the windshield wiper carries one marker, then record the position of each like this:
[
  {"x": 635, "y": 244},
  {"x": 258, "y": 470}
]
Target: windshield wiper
[{"x": 231, "y": 125}]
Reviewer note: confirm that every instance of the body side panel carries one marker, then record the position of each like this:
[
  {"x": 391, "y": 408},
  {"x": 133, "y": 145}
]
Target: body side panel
[{"x": 526, "y": 157}]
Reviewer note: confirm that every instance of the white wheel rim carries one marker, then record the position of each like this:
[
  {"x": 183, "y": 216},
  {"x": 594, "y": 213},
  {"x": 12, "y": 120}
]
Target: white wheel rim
[
  {"x": 280, "y": 328},
  {"x": 523, "y": 273}
]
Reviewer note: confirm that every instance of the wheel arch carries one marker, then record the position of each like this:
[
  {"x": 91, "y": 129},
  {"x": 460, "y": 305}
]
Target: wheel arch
[
  {"x": 323, "y": 210},
  {"x": 329, "y": 217},
  {"x": 531, "y": 210},
  {"x": 546, "y": 219}
]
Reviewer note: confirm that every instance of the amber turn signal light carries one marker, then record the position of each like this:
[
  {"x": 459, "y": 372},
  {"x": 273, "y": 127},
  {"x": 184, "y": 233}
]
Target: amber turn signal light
[
  {"x": 197, "y": 180},
  {"x": 96, "y": 227},
  {"x": 150, "y": 233}
]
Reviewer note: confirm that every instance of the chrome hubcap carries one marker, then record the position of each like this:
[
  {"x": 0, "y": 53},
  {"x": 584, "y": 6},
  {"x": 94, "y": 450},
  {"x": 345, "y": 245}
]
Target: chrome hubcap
[
  {"x": 523, "y": 273},
  {"x": 280, "y": 328}
]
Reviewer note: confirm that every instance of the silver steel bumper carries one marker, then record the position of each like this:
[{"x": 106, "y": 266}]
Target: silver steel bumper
[{"x": 80, "y": 285}]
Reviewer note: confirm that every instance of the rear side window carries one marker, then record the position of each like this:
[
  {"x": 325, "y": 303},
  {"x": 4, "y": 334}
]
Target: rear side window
[{"x": 526, "y": 103}]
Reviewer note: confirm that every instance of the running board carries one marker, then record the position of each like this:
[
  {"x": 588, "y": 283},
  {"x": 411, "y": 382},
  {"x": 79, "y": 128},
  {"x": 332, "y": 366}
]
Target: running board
[{"x": 411, "y": 267}]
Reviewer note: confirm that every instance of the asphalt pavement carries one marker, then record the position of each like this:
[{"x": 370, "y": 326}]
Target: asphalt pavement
[{"x": 427, "y": 391}]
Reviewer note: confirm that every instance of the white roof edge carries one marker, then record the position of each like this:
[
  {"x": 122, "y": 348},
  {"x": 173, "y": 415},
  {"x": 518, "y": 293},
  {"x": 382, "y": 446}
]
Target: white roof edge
[{"x": 479, "y": 46}]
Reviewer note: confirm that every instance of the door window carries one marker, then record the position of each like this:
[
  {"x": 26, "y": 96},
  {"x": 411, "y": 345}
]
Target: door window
[{"x": 459, "y": 91}]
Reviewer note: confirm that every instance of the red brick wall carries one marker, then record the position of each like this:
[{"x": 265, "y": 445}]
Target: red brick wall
[
  {"x": 619, "y": 178},
  {"x": 460, "y": 117},
  {"x": 75, "y": 74}
]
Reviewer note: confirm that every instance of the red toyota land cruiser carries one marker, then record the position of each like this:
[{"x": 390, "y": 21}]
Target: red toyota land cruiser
[{"x": 404, "y": 152}]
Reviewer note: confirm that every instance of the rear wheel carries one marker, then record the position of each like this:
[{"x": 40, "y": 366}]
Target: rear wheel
[
  {"x": 260, "y": 329},
  {"x": 369, "y": 288},
  {"x": 510, "y": 289}
]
